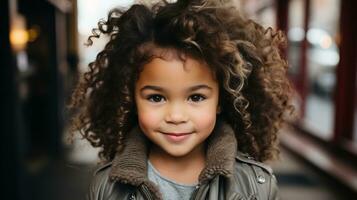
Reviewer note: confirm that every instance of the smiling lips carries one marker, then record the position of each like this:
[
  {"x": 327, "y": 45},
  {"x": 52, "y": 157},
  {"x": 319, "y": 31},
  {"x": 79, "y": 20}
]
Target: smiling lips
[
  {"x": 177, "y": 137},
  {"x": 177, "y": 134}
]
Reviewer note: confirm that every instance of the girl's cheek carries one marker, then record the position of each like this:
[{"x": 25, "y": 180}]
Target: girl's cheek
[
  {"x": 207, "y": 120},
  {"x": 149, "y": 117},
  {"x": 206, "y": 117}
]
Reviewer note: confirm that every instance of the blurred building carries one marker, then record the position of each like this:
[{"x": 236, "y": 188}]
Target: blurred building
[
  {"x": 42, "y": 51},
  {"x": 39, "y": 55}
]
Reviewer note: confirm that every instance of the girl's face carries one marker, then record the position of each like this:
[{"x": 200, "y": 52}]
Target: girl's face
[{"x": 177, "y": 103}]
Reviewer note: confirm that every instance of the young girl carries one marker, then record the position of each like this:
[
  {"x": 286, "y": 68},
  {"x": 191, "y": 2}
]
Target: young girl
[{"x": 185, "y": 102}]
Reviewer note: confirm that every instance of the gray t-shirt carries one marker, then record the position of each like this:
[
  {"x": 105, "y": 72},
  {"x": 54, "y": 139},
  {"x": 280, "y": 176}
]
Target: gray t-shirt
[{"x": 170, "y": 189}]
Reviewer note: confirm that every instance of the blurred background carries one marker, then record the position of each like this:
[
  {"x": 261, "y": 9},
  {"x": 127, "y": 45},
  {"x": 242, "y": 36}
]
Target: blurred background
[{"x": 42, "y": 52}]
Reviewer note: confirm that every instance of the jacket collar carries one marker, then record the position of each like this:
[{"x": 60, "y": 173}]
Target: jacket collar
[{"x": 130, "y": 165}]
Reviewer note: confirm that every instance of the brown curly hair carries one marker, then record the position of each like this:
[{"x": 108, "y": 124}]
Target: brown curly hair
[{"x": 245, "y": 57}]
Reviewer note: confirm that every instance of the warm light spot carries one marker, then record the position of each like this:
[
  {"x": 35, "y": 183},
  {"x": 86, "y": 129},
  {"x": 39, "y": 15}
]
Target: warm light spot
[
  {"x": 326, "y": 42},
  {"x": 33, "y": 34},
  {"x": 18, "y": 33},
  {"x": 19, "y": 38}
]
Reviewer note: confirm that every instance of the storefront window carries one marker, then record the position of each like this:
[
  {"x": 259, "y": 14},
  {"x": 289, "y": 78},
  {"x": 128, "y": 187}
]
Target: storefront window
[
  {"x": 295, "y": 36},
  {"x": 322, "y": 60}
]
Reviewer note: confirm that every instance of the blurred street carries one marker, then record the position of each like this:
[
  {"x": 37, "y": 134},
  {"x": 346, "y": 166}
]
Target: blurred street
[{"x": 43, "y": 54}]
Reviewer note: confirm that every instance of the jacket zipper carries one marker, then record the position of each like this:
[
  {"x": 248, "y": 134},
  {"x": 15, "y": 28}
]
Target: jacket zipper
[
  {"x": 132, "y": 196},
  {"x": 145, "y": 192},
  {"x": 194, "y": 194}
]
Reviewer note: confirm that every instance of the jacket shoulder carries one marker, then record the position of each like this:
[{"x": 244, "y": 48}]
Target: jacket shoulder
[
  {"x": 100, "y": 183},
  {"x": 102, "y": 187},
  {"x": 262, "y": 182},
  {"x": 245, "y": 158},
  {"x": 102, "y": 168}
]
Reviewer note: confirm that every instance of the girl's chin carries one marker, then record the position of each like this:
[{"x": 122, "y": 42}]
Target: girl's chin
[{"x": 179, "y": 151}]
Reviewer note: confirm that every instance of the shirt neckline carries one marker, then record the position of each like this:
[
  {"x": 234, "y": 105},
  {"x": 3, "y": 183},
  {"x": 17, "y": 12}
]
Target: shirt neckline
[{"x": 168, "y": 179}]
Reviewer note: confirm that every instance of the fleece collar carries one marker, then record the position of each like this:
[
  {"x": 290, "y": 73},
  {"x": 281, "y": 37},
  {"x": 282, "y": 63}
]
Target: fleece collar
[{"x": 130, "y": 165}]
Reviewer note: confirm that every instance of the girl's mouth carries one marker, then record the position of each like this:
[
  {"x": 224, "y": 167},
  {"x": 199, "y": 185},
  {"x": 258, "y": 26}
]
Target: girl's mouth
[
  {"x": 177, "y": 134},
  {"x": 177, "y": 137}
]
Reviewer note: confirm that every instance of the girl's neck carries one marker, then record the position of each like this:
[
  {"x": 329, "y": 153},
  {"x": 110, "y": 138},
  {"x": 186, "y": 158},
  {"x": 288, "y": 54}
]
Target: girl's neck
[{"x": 185, "y": 169}]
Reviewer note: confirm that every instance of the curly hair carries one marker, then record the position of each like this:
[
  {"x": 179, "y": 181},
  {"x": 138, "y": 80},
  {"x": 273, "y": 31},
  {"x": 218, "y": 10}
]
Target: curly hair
[{"x": 245, "y": 58}]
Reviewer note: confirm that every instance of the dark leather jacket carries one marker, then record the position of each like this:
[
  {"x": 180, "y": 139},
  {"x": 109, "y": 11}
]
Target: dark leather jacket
[{"x": 228, "y": 174}]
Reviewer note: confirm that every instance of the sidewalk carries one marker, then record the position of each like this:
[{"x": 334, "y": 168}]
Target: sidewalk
[{"x": 297, "y": 181}]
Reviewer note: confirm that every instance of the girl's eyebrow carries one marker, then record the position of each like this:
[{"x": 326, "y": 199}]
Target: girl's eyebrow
[{"x": 160, "y": 89}]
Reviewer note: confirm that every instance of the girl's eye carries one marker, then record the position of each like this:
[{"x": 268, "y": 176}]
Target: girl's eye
[
  {"x": 197, "y": 97},
  {"x": 156, "y": 98}
]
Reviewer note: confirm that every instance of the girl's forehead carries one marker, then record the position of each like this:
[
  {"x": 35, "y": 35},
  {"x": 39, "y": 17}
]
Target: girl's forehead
[
  {"x": 163, "y": 62},
  {"x": 152, "y": 51},
  {"x": 176, "y": 73}
]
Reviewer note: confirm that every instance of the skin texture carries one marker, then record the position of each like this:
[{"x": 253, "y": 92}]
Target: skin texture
[{"x": 176, "y": 96}]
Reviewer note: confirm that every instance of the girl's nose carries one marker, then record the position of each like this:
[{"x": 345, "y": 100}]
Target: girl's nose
[{"x": 176, "y": 114}]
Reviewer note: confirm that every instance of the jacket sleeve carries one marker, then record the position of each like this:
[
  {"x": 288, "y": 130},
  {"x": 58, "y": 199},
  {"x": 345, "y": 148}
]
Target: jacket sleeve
[{"x": 274, "y": 194}]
